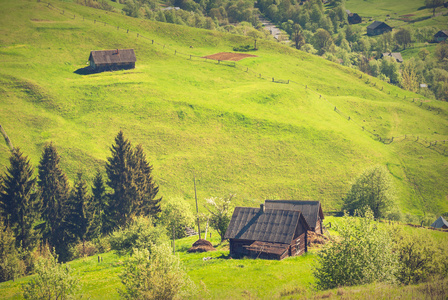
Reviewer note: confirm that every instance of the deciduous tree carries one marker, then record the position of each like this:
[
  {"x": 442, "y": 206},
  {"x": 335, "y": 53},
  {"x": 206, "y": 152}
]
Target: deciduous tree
[
  {"x": 155, "y": 274},
  {"x": 433, "y": 4},
  {"x": 372, "y": 189},
  {"x": 403, "y": 37},
  {"x": 362, "y": 255},
  {"x": 221, "y": 210}
]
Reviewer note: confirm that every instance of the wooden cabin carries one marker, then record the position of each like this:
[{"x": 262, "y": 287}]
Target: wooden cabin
[
  {"x": 311, "y": 210},
  {"x": 441, "y": 36},
  {"x": 353, "y": 18},
  {"x": 111, "y": 60},
  {"x": 377, "y": 28},
  {"x": 267, "y": 233}
]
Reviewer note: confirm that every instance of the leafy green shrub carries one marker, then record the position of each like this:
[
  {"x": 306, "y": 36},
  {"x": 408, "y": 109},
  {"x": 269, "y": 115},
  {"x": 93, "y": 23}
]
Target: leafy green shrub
[
  {"x": 83, "y": 249},
  {"x": 420, "y": 257},
  {"x": 52, "y": 280},
  {"x": 244, "y": 48},
  {"x": 176, "y": 212},
  {"x": 363, "y": 255},
  {"x": 155, "y": 275},
  {"x": 11, "y": 266},
  {"x": 140, "y": 233}
]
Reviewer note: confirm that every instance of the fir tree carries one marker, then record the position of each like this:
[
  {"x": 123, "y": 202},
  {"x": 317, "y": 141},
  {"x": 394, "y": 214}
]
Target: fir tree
[
  {"x": 99, "y": 206},
  {"x": 54, "y": 190},
  {"x": 18, "y": 200},
  {"x": 129, "y": 176},
  {"x": 80, "y": 212},
  {"x": 146, "y": 204},
  {"x": 119, "y": 179}
]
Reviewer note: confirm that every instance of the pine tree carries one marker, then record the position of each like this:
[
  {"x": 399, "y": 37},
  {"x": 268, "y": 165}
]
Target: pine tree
[
  {"x": 129, "y": 175},
  {"x": 54, "y": 190},
  {"x": 146, "y": 204},
  {"x": 18, "y": 200},
  {"x": 99, "y": 207},
  {"x": 119, "y": 179},
  {"x": 80, "y": 214}
]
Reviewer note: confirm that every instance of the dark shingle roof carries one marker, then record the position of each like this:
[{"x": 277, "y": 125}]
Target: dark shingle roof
[
  {"x": 310, "y": 209},
  {"x": 439, "y": 223},
  {"x": 272, "y": 225},
  {"x": 113, "y": 56},
  {"x": 377, "y": 24},
  {"x": 442, "y": 33}
]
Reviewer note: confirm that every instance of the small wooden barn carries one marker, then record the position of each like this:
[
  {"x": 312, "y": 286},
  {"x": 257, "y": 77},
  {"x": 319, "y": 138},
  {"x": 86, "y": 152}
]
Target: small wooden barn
[
  {"x": 440, "y": 223},
  {"x": 311, "y": 210},
  {"x": 110, "y": 60},
  {"x": 267, "y": 233},
  {"x": 377, "y": 28},
  {"x": 441, "y": 36},
  {"x": 353, "y": 18}
]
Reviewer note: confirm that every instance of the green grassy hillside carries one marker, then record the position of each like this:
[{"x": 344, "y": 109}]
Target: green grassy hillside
[
  {"x": 237, "y": 129},
  {"x": 224, "y": 278}
]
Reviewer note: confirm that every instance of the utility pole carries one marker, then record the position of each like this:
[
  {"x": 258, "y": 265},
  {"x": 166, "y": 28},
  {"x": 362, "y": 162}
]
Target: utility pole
[{"x": 197, "y": 210}]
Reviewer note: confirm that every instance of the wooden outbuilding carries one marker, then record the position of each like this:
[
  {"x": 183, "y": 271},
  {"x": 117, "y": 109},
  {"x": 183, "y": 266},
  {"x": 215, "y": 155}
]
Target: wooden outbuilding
[
  {"x": 353, "y": 18},
  {"x": 267, "y": 233},
  {"x": 440, "y": 223},
  {"x": 441, "y": 36},
  {"x": 377, "y": 28},
  {"x": 311, "y": 210},
  {"x": 395, "y": 55},
  {"x": 111, "y": 60}
]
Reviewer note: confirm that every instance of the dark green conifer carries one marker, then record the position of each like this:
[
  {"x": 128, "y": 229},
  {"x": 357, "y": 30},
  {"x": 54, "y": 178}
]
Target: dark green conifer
[
  {"x": 80, "y": 214},
  {"x": 129, "y": 176},
  {"x": 119, "y": 179},
  {"x": 54, "y": 190},
  {"x": 99, "y": 206},
  {"x": 19, "y": 200}
]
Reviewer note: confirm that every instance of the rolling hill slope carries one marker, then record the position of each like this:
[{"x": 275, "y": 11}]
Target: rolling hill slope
[{"x": 239, "y": 128}]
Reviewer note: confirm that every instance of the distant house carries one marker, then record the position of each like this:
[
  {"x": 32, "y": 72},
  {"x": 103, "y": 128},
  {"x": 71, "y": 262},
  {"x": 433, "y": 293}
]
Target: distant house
[
  {"x": 394, "y": 55},
  {"x": 171, "y": 8},
  {"x": 110, "y": 60},
  {"x": 440, "y": 223},
  {"x": 267, "y": 233},
  {"x": 353, "y": 18},
  {"x": 377, "y": 28},
  {"x": 441, "y": 36},
  {"x": 311, "y": 210}
]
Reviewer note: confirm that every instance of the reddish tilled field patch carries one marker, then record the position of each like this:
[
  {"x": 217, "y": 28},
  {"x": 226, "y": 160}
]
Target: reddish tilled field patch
[{"x": 229, "y": 56}]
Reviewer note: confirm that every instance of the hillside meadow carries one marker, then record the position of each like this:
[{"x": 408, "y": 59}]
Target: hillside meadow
[
  {"x": 220, "y": 277},
  {"x": 282, "y": 125}
]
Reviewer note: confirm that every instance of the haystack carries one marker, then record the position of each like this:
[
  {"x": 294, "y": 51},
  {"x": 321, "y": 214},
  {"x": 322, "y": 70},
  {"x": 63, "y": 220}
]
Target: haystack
[
  {"x": 315, "y": 239},
  {"x": 201, "y": 246}
]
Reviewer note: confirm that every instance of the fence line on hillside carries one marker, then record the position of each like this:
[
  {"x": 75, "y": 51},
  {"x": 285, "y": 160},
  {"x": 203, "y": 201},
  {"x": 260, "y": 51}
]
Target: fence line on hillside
[
  {"x": 7, "y": 140},
  {"x": 428, "y": 144}
]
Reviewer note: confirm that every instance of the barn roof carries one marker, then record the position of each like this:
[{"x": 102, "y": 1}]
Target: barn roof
[
  {"x": 439, "y": 223},
  {"x": 310, "y": 209},
  {"x": 395, "y": 55},
  {"x": 441, "y": 33},
  {"x": 113, "y": 56},
  {"x": 270, "y": 225},
  {"x": 377, "y": 24}
]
